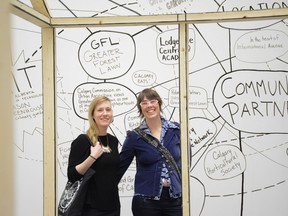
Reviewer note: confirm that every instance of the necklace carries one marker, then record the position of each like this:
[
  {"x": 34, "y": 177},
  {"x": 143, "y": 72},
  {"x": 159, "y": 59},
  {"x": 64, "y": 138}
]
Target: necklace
[{"x": 106, "y": 148}]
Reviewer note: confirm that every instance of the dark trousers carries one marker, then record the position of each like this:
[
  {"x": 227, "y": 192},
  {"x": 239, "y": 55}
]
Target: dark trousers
[
  {"x": 163, "y": 207},
  {"x": 96, "y": 212}
]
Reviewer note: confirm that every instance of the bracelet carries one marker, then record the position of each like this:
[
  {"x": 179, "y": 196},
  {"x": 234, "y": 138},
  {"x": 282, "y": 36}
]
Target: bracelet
[{"x": 93, "y": 157}]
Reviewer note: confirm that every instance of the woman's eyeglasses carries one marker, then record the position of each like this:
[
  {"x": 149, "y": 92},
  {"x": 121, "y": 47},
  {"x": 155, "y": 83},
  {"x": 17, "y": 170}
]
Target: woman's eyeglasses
[{"x": 146, "y": 103}]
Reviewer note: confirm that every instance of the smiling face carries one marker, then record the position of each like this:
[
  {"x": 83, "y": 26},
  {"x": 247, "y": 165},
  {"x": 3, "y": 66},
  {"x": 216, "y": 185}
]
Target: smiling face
[
  {"x": 149, "y": 102},
  {"x": 150, "y": 108},
  {"x": 103, "y": 115}
]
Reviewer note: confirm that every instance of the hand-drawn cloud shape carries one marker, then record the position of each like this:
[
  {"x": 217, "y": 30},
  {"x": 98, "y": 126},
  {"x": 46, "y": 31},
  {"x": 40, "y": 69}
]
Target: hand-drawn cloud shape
[
  {"x": 224, "y": 162},
  {"x": 167, "y": 46},
  {"x": 247, "y": 5},
  {"x": 144, "y": 78},
  {"x": 197, "y": 98},
  {"x": 261, "y": 46},
  {"x": 121, "y": 97},
  {"x": 253, "y": 101},
  {"x": 201, "y": 132},
  {"x": 107, "y": 54}
]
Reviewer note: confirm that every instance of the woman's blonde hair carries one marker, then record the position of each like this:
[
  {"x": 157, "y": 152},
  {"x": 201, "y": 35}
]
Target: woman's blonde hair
[{"x": 93, "y": 130}]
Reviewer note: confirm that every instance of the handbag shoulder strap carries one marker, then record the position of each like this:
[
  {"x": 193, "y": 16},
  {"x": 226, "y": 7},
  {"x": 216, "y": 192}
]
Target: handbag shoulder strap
[
  {"x": 146, "y": 137},
  {"x": 159, "y": 147}
]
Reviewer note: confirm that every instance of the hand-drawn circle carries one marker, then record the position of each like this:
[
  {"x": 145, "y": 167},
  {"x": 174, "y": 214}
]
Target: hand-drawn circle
[
  {"x": 224, "y": 162},
  {"x": 261, "y": 46},
  {"x": 107, "y": 54},
  {"x": 167, "y": 46},
  {"x": 143, "y": 78},
  {"x": 121, "y": 97}
]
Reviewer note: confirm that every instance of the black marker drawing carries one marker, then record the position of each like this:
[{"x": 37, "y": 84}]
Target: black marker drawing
[{"x": 238, "y": 97}]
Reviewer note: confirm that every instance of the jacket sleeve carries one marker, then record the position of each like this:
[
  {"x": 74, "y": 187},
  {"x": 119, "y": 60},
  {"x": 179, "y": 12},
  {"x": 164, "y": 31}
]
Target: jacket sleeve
[
  {"x": 79, "y": 151},
  {"x": 127, "y": 153}
]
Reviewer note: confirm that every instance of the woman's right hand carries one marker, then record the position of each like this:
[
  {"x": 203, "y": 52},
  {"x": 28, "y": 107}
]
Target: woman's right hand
[{"x": 96, "y": 151}]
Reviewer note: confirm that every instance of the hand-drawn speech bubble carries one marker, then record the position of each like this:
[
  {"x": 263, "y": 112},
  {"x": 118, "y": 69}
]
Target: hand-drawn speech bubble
[
  {"x": 122, "y": 99},
  {"x": 224, "y": 162},
  {"x": 144, "y": 78},
  {"x": 253, "y": 101},
  {"x": 261, "y": 46},
  {"x": 107, "y": 54},
  {"x": 197, "y": 98},
  {"x": 167, "y": 45},
  {"x": 200, "y": 133},
  {"x": 247, "y": 5}
]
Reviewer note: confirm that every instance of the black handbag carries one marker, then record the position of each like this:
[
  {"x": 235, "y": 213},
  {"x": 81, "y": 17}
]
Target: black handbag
[
  {"x": 72, "y": 200},
  {"x": 159, "y": 147}
]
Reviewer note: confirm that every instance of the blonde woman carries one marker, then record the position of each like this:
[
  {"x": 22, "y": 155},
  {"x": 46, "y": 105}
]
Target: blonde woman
[{"x": 102, "y": 197}]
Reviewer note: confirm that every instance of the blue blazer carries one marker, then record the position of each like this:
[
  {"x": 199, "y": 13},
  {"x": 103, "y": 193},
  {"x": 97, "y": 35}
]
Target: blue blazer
[{"x": 149, "y": 162}]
